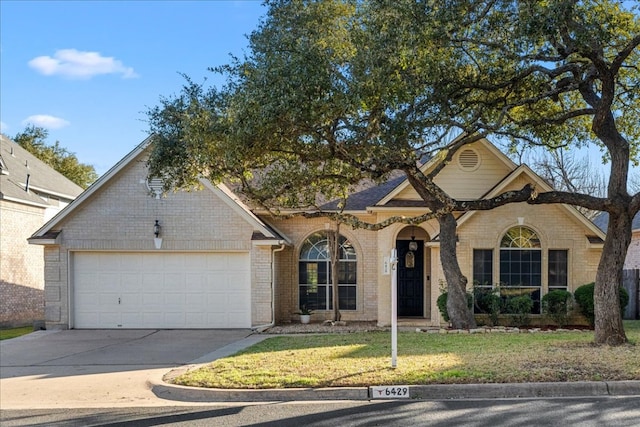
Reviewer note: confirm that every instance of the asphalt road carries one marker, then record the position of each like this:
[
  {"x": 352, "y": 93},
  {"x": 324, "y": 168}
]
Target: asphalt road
[{"x": 583, "y": 412}]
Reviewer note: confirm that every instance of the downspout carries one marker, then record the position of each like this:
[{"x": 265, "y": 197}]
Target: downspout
[{"x": 260, "y": 328}]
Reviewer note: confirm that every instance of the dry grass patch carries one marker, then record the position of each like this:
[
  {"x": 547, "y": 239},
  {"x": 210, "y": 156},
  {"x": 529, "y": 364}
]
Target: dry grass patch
[{"x": 363, "y": 359}]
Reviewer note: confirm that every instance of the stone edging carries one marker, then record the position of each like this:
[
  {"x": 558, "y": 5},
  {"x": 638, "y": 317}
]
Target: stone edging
[{"x": 497, "y": 329}]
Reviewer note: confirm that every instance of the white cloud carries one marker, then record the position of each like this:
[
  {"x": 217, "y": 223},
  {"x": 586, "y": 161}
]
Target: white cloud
[
  {"x": 4, "y": 127},
  {"x": 45, "y": 121},
  {"x": 76, "y": 64}
]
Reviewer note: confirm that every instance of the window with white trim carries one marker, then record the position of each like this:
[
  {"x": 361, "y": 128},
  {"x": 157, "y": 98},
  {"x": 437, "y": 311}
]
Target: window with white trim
[
  {"x": 521, "y": 264},
  {"x": 315, "y": 290}
]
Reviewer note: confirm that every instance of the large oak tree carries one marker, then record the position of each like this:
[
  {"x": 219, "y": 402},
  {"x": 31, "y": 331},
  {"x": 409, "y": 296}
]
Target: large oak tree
[
  {"x": 559, "y": 74},
  {"x": 334, "y": 92}
]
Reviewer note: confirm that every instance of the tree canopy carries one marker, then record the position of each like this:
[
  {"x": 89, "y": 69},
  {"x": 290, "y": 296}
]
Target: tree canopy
[
  {"x": 33, "y": 139},
  {"x": 334, "y": 92}
]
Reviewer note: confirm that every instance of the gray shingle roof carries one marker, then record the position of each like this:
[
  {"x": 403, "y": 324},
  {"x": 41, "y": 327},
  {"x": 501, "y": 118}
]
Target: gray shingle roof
[
  {"x": 369, "y": 196},
  {"x": 16, "y": 163},
  {"x": 602, "y": 221}
]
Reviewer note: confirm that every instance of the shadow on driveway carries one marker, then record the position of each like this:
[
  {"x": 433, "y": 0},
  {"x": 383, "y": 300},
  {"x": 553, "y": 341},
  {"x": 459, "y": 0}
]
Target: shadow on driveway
[{"x": 101, "y": 351}]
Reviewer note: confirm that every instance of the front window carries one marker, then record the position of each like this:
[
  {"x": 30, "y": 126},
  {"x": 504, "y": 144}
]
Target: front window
[
  {"x": 558, "y": 267},
  {"x": 521, "y": 265},
  {"x": 315, "y": 290},
  {"x": 483, "y": 267}
]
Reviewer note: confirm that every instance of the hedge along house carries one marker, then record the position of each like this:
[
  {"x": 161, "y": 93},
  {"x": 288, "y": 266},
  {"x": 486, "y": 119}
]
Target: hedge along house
[{"x": 215, "y": 263}]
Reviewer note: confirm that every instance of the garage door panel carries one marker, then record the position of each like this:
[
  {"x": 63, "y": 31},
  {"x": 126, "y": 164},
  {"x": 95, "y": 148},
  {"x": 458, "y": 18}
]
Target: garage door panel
[
  {"x": 130, "y": 281},
  {"x": 195, "y": 261},
  {"x": 173, "y": 281},
  {"x": 197, "y": 301},
  {"x": 152, "y": 301},
  {"x": 236, "y": 319},
  {"x": 152, "y": 280},
  {"x": 161, "y": 290},
  {"x": 112, "y": 320},
  {"x": 130, "y": 301},
  {"x": 235, "y": 263},
  {"x": 198, "y": 320},
  {"x": 196, "y": 282},
  {"x": 128, "y": 263},
  {"x": 129, "y": 318}
]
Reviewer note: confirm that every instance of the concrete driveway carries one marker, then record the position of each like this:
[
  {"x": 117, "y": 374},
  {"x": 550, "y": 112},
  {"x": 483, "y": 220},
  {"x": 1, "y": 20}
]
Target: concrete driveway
[{"x": 103, "y": 368}]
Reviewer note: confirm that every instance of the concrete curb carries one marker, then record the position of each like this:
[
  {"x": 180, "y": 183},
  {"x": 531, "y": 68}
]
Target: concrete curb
[{"x": 424, "y": 392}]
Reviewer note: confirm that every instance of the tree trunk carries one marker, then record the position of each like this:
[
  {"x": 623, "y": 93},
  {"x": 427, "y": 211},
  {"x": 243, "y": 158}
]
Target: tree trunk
[
  {"x": 334, "y": 249},
  {"x": 460, "y": 315},
  {"x": 609, "y": 329},
  {"x": 608, "y": 318}
]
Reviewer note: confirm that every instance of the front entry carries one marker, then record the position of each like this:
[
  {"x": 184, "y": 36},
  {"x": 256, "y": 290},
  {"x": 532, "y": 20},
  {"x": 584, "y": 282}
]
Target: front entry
[{"x": 410, "y": 278}]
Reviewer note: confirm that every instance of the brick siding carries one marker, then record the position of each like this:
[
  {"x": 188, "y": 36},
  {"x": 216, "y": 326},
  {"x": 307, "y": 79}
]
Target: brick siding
[{"x": 21, "y": 265}]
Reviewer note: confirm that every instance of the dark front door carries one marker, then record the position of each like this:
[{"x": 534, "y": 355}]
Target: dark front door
[{"x": 410, "y": 279}]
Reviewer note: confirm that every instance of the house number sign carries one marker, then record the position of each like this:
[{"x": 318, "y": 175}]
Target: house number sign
[{"x": 389, "y": 392}]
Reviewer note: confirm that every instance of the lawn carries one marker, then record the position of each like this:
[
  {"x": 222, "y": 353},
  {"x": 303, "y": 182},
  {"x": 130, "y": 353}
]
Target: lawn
[
  {"x": 5, "y": 334},
  {"x": 363, "y": 359}
]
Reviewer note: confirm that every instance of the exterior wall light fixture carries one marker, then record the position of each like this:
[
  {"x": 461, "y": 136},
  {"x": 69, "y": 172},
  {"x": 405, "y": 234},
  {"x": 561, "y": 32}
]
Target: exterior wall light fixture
[{"x": 157, "y": 240}]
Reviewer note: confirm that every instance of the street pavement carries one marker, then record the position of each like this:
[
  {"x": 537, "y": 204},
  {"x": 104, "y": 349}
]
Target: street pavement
[{"x": 125, "y": 368}]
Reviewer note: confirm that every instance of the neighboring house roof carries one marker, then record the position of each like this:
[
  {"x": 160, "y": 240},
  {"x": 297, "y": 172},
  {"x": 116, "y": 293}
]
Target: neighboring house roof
[
  {"x": 47, "y": 232},
  {"x": 602, "y": 221},
  {"x": 23, "y": 177}
]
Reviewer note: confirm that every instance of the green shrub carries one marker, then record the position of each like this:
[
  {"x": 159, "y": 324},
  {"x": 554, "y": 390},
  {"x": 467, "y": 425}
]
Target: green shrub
[
  {"x": 584, "y": 298},
  {"x": 556, "y": 304},
  {"x": 442, "y": 304},
  {"x": 520, "y": 309},
  {"x": 487, "y": 301}
]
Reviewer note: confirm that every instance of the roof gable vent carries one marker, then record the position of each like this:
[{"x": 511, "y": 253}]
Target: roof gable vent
[
  {"x": 468, "y": 159},
  {"x": 155, "y": 186}
]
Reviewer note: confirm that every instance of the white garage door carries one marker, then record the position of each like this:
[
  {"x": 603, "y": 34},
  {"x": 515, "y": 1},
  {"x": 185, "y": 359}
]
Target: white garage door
[{"x": 161, "y": 290}]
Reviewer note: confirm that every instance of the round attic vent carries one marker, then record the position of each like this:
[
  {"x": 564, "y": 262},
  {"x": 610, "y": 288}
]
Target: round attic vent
[
  {"x": 155, "y": 186},
  {"x": 468, "y": 159}
]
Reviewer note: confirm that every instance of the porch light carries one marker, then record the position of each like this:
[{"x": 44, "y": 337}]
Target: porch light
[
  {"x": 156, "y": 229},
  {"x": 413, "y": 245},
  {"x": 157, "y": 240}
]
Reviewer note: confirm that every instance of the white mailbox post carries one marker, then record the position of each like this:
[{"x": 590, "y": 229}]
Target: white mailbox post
[{"x": 393, "y": 260}]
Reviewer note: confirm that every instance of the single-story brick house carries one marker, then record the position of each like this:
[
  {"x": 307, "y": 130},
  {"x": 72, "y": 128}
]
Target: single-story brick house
[
  {"x": 215, "y": 263},
  {"x": 31, "y": 193}
]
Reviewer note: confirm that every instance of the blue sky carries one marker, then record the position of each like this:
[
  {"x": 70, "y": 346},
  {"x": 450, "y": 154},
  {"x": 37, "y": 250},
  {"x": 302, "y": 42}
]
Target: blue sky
[{"x": 88, "y": 70}]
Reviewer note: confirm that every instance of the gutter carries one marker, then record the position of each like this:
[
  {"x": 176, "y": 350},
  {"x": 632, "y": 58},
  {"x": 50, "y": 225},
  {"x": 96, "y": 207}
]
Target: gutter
[{"x": 260, "y": 328}]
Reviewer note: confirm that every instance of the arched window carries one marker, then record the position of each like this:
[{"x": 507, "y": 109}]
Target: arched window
[
  {"x": 315, "y": 290},
  {"x": 521, "y": 264}
]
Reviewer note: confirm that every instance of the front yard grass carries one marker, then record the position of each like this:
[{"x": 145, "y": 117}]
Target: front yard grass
[
  {"x": 5, "y": 334},
  {"x": 363, "y": 359}
]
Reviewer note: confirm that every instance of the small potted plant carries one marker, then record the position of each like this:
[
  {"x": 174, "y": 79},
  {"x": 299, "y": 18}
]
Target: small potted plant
[{"x": 305, "y": 314}]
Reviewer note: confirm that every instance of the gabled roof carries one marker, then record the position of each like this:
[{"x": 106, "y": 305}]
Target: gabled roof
[
  {"x": 44, "y": 233},
  {"x": 383, "y": 195},
  {"x": 597, "y": 234},
  {"x": 388, "y": 199},
  {"x": 602, "y": 221},
  {"x": 17, "y": 166}
]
